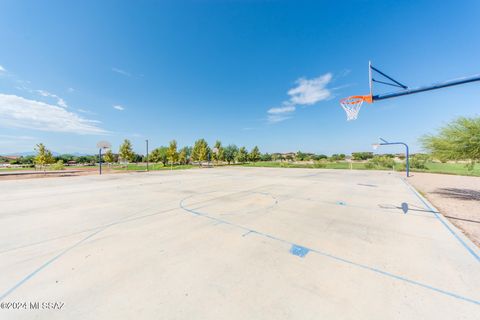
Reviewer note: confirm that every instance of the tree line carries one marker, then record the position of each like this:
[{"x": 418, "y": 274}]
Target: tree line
[
  {"x": 458, "y": 140},
  {"x": 200, "y": 152}
]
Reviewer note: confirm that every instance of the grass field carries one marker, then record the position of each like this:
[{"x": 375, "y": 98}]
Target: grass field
[
  {"x": 156, "y": 166},
  {"x": 15, "y": 169},
  {"x": 432, "y": 167}
]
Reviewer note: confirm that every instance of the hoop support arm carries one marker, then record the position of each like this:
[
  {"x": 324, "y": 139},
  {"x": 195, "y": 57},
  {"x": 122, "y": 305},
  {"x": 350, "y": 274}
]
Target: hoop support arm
[{"x": 426, "y": 88}]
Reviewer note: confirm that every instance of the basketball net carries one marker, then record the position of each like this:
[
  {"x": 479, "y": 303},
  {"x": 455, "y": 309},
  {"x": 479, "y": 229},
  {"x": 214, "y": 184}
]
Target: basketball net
[{"x": 352, "y": 105}]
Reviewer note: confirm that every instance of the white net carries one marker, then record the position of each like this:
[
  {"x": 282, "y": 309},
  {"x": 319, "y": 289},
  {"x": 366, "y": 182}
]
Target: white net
[{"x": 352, "y": 107}]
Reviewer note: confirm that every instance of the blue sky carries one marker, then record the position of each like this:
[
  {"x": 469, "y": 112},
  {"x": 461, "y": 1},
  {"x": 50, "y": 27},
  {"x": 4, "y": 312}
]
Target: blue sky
[{"x": 74, "y": 73}]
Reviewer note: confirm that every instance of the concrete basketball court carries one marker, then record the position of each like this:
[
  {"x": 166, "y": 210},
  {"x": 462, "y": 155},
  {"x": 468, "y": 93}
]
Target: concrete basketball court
[{"x": 232, "y": 243}]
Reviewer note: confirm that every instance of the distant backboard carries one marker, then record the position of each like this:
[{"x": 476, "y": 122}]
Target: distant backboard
[{"x": 104, "y": 145}]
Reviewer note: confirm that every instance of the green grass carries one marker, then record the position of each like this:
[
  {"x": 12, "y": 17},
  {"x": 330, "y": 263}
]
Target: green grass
[
  {"x": 16, "y": 169},
  {"x": 451, "y": 168},
  {"x": 153, "y": 167},
  {"x": 325, "y": 165},
  {"x": 432, "y": 167}
]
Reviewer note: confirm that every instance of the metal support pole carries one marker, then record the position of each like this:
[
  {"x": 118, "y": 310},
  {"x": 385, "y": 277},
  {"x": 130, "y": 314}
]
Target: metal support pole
[
  {"x": 146, "y": 141},
  {"x": 426, "y": 88},
  {"x": 408, "y": 161},
  {"x": 407, "y": 154},
  {"x": 100, "y": 160}
]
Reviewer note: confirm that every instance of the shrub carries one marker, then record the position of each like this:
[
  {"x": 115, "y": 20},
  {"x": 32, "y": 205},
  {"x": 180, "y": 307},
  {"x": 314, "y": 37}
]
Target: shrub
[
  {"x": 383, "y": 162},
  {"x": 369, "y": 165},
  {"x": 318, "y": 164},
  {"x": 419, "y": 161},
  {"x": 58, "y": 165},
  {"x": 362, "y": 155}
]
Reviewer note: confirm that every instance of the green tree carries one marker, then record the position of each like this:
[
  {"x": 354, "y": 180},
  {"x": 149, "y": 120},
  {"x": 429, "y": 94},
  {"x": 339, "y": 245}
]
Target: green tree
[
  {"x": 218, "y": 152},
  {"x": 337, "y": 157},
  {"x": 254, "y": 155},
  {"x": 182, "y": 155},
  {"x": 159, "y": 155},
  {"x": 362, "y": 155},
  {"x": 301, "y": 156},
  {"x": 137, "y": 157},
  {"x": 242, "y": 155},
  {"x": 318, "y": 157},
  {"x": 109, "y": 157},
  {"x": 277, "y": 156},
  {"x": 43, "y": 157},
  {"x": 126, "y": 153},
  {"x": 266, "y": 157},
  {"x": 172, "y": 152},
  {"x": 458, "y": 140},
  {"x": 201, "y": 151},
  {"x": 230, "y": 152}
]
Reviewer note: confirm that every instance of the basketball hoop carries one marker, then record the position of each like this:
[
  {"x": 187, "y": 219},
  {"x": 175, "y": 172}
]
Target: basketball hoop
[
  {"x": 104, "y": 145},
  {"x": 352, "y": 105}
]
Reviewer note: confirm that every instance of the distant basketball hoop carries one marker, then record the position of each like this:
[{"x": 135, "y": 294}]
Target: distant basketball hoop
[{"x": 102, "y": 145}]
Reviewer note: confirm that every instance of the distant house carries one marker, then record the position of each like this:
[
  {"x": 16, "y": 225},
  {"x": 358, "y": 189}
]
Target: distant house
[
  {"x": 5, "y": 160},
  {"x": 10, "y": 157}
]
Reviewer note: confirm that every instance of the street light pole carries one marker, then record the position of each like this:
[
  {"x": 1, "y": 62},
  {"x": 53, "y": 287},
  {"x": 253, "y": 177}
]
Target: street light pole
[{"x": 146, "y": 141}]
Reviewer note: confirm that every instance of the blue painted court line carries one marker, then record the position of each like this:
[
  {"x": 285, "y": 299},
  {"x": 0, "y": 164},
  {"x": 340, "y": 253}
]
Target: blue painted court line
[
  {"x": 43, "y": 266},
  {"x": 66, "y": 250},
  {"x": 328, "y": 255},
  {"x": 435, "y": 212},
  {"x": 300, "y": 251}
]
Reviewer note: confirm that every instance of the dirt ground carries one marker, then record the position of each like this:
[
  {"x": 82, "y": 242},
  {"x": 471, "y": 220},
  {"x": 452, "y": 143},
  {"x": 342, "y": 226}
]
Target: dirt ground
[
  {"x": 457, "y": 198},
  {"x": 66, "y": 173}
]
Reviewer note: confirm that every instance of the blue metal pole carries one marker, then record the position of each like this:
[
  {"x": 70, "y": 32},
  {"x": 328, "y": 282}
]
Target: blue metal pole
[
  {"x": 147, "y": 152},
  {"x": 100, "y": 159},
  {"x": 407, "y": 154},
  {"x": 408, "y": 161},
  {"x": 426, "y": 88}
]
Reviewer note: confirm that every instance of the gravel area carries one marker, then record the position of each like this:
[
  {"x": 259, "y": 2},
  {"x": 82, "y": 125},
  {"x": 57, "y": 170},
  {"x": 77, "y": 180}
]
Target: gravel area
[{"x": 457, "y": 198}]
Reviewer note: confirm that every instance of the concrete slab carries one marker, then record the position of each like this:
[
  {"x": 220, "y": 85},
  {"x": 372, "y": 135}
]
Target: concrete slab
[{"x": 236, "y": 243}]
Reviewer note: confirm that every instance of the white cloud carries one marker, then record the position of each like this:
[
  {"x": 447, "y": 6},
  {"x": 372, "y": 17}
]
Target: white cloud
[
  {"x": 85, "y": 111},
  {"x": 2, "y": 69},
  {"x": 17, "y": 137},
  {"x": 285, "y": 109},
  {"x": 47, "y": 94},
  {"x": 122, "y": 72},
  {"x": 118, "y": 107},
  {"x": 62, "y": 103},
  {"x": 307, "y": 92},
  {"x": 310, "y": 91},
  {"x": 19, "y": 112},
  {"x": 275, "y": 118},
  {"x": 70, "y": 90}
]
